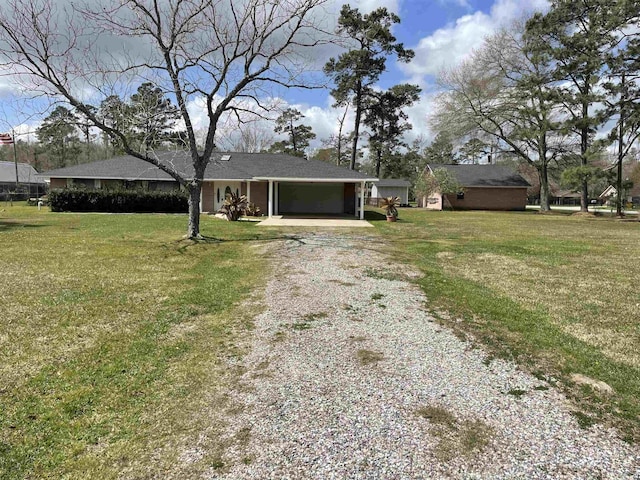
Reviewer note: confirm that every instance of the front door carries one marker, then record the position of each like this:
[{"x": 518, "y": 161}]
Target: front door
[{"x": 221, "y": 190}]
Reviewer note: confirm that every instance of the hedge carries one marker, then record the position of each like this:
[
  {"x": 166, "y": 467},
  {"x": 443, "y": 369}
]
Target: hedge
[{"x": 119, "y": 201}]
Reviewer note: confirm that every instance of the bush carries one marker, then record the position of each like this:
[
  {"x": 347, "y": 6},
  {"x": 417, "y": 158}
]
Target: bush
[{"x": 123, "y": 201}]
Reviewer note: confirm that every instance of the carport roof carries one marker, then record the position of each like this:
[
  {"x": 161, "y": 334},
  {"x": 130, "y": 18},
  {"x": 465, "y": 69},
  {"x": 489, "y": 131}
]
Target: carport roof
[{"x": 223, "y": 166}]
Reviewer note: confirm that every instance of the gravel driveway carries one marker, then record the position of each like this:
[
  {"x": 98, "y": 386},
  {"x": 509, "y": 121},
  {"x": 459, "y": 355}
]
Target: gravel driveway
[{"x": 349, "y": 377}]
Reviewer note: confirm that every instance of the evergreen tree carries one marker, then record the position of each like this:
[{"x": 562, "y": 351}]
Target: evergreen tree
[
  {"x": 356, "y": 70},
  {"x": 441, "y": 150},
  {"x": 386, "y": 119},
  {"x": 58, "y": 136},
  {"x": 153, "y": 116},
  {"x": 299, "y": 136},
  {"x": 116, "y": 115},
  {"x": 577, "y": 36}
]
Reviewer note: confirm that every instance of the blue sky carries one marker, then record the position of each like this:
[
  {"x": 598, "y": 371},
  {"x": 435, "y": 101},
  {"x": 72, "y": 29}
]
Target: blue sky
[{"x": 442, "y": 33}]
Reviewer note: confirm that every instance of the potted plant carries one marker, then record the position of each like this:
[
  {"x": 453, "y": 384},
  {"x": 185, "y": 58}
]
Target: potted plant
[{"x": 390, "y": 205}]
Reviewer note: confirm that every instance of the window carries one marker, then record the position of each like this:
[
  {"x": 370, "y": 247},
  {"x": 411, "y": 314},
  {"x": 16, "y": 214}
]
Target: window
[
  {"x": 218, "y": 194},
  {"x": 460, "y": 196},
  {"x": 227, "y": 191},
  {"x": 237, "y": 192}
]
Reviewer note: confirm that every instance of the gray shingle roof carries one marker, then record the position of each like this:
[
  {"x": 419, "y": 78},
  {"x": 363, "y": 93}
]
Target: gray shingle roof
[
  {"x": 241, "y": 166},
  {"x": 393, "y": 182},
  {"x": 484, "y": 175},
  {"x": 26, "y": 173}
]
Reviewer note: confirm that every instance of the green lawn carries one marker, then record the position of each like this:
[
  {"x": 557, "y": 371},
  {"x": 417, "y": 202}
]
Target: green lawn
[
  {"x": 115, "y": 333},
  {"x": 558, "y": 293},
  {"x": 112, "y": 338}
]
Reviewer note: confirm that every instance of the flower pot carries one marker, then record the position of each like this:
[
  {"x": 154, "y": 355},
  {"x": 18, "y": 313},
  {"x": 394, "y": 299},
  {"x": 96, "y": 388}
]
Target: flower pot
[{"x": 391, "y": 218}]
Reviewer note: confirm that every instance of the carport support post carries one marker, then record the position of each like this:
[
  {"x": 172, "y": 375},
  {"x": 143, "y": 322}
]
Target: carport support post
[
  {"x": 270, "y": 198},
  {"x": 248, "y": 191},
  {"x": 276, "y": 200},
  {"x": 361, "y": 200}
]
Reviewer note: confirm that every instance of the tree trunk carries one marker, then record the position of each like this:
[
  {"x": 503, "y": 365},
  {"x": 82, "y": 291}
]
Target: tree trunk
[
  {"x": 378, "y": 161},
  {"x": 621, "y": 199},
  {"x": 584, "y": 145},
  {"x": 544, "y": 189},
  {"x": 356, "y": 127},
  {"x": 194, "y": 188}
]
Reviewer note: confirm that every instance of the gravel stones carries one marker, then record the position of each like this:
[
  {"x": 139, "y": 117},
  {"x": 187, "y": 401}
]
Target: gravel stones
[{"x": 348, "y": 377}]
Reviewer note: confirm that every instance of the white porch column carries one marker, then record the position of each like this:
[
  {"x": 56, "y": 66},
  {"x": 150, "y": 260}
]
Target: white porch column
[
  {"x": 361, "y": 200},
  {"x": 270, "y": 198},
  {"x": 355, "y": 200},
  {"x": 248, "y": 191},
  {"x": 277, "y": 197}
]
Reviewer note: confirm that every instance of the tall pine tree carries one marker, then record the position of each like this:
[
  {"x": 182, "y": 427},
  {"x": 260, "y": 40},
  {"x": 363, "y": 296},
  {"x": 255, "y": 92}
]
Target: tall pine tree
[{"x": 359, "y": 68}]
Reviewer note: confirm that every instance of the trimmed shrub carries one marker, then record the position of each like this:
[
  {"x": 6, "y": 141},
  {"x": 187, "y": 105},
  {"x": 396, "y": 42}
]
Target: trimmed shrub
[{"x": 117, "y": 201}]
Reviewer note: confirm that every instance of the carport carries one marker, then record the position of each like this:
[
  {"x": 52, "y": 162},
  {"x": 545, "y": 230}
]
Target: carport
[{"x": 315, "y": 196}]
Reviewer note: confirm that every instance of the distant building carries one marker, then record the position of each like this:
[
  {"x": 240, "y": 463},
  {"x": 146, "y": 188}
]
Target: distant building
[
  {"x": 390, "y": 187},
  {"x": 485, "y": 187},
  {"x": 29, "y": 183}
]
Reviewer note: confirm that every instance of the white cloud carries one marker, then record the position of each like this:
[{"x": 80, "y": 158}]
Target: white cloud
[{"x": 448, "y": 46}]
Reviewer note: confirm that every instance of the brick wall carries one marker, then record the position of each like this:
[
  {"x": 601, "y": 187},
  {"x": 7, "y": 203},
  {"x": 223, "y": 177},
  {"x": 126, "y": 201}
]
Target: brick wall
[
  {"x": 350, "y": 198},
  {"x": 58, "y": 183},
  {"x": 480, "y": 198},
  {"x": 260, "y": 195}
]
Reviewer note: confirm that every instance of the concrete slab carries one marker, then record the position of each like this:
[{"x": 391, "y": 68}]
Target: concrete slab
[{"x": 286, "y": 221}]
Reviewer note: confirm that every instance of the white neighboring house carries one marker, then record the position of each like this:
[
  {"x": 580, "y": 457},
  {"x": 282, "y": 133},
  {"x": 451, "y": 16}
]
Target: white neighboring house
[{"x": 391, "y": 187}]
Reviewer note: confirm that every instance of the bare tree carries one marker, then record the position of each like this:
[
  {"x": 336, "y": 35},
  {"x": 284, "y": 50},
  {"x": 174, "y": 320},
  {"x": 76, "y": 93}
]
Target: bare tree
[
  {"x": 251, "y": 137},
  {"x": 222, "y": 52},
  {"x": 504, "y": 92}
]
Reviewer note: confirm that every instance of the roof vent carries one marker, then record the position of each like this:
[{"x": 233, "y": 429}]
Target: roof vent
[{"x": 225, "y": 158}]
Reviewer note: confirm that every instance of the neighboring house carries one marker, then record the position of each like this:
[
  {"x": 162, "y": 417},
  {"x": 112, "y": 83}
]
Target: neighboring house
[
  {"x": 485, "y": 187},
  {"x": 390, "y": 187},
  {"x": 277, "y": 183},
  {"x": 29, "y": 183},
  {"x": 609, "y": 194}
]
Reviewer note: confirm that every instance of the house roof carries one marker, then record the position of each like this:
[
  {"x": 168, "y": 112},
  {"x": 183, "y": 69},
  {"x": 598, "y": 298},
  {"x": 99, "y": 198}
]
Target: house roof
[
  {"x": 484, "y": 175},
  {"x": 239, "y": 166},
  {"x": 393, "y": 182},
  {"x": 26, "y": 173}
]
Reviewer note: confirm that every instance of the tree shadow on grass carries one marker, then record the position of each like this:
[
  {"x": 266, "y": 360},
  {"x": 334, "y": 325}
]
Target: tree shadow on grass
[
  {"x": 7, "y": 225},
  {"x": 183, "y": 244}
]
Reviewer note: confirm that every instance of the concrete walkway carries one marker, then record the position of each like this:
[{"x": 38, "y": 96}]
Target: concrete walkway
[{"x": 293, "y": 221}]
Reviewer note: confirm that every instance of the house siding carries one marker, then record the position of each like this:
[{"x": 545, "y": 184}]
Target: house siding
[
  {"x": 384, "y": 192},
  {"x": 481, "y": 198},
  {"x": 207, "y": 197}
]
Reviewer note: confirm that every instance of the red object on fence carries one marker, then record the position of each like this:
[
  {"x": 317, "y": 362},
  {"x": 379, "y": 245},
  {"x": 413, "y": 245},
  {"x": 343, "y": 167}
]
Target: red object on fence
[{"x": 6, "y": 139}]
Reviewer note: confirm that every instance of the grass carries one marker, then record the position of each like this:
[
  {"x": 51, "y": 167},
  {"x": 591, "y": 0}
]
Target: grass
[
  {"x": 369, "y": 357},
  {"x": 556, "y": 293},
  {"x": 455, "y": 437},
  {"x": 114, "y": 341}
]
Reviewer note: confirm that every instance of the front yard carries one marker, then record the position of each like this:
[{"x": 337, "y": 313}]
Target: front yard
[
  {"x": 112, "y": 338},
  {"x": 560, "y": 294},
  {"x": 114, "y": 332}
]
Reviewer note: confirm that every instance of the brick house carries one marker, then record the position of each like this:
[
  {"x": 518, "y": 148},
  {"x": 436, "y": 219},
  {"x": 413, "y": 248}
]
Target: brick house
[
  {"x": 485, "y": 187},
  {"x": 277, "y": 183}
]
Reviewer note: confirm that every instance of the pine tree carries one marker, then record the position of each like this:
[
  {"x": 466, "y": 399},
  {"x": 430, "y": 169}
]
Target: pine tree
[
  {"x": 577, "y": 36},
  {"x": 359, "y": 68},
  {"x": 387, "y": 120},
  {"x": 58, "y": 136},
  {"x": 299, "y": 136},
  {"x": 153, "y": 116}
]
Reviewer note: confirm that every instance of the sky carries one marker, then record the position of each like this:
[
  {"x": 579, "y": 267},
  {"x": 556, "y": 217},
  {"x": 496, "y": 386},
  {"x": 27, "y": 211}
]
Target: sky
[{"x": 441, "y": 32}]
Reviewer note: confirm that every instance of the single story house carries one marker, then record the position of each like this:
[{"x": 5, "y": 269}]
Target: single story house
[
  {"x": 277, "y": 183},
  {"x": 609, "y": 194},
  {"x": 29, "y": 183},
  {"x": 390, "y": 187},
  {"x": 485, "y": 187}
]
